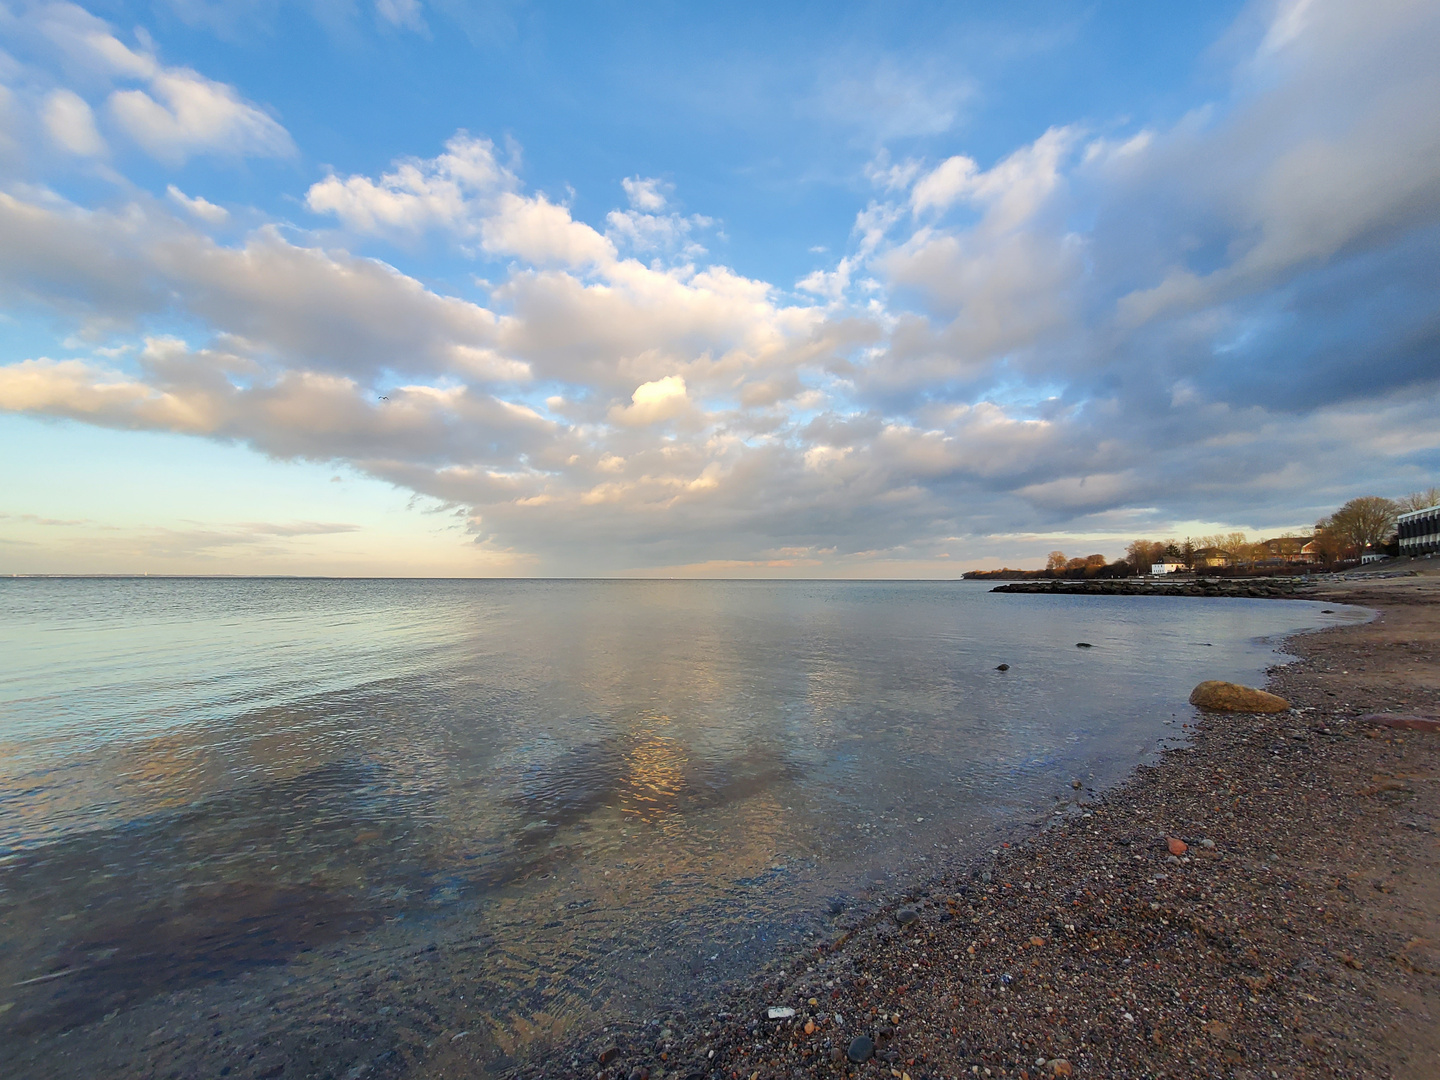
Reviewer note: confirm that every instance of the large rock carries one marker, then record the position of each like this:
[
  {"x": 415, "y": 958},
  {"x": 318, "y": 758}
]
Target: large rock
[{"x": 1220, "y": 696}]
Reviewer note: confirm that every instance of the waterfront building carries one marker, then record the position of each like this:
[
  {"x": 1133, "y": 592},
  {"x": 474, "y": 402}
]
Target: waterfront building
[{"x": 1419, "y": 531}]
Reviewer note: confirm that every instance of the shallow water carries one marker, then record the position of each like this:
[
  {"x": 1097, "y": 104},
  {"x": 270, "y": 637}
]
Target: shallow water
[{"x": 596, "y": 798}]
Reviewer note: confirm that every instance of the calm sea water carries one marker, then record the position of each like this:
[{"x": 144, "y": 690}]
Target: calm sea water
[{"x": 592, "y": 797}]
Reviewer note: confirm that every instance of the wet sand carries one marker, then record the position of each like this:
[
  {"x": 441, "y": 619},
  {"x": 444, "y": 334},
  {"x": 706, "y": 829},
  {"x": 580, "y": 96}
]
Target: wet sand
[{"x": 1262, "y": 903}]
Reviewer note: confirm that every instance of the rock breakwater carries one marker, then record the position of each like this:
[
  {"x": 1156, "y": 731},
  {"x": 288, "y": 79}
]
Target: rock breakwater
[{"x": 1260, "y": 588}]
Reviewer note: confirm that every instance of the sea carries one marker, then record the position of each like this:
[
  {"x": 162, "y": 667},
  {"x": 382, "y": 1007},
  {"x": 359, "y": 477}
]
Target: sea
[{"x": 517, "y": 811}]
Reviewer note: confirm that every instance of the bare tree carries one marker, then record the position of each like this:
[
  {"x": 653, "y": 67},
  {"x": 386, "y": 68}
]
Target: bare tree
[
  {"x": 1365, "y": 521},
  {"x": 1232, "y": 543},
  {"x": 1143, "y": 554},
  {"x": 1055, "y": 561},
  {"x": 1419, "y": 500}
]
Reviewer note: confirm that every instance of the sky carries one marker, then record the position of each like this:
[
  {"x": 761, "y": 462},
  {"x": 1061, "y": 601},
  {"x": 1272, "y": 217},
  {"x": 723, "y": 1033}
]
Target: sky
[{"x": 428, "y": 287}]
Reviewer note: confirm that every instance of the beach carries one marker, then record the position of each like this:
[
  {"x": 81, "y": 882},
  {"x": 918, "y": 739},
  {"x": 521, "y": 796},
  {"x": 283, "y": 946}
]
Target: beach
[{"x": 1263, "y": 902}]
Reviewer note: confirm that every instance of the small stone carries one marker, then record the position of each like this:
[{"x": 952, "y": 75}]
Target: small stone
[
  {"x": 1059, "y": 1067},
  {"x": 640, "y": 1074},
  {"x": 862, "y": 1048},
  {"x": 609, "y": 1054},
  {"x": 1216, "y": 696},
  {"x": 1002, "y": 667},
  {"x": 1076, "y": 784},
  {"x": 906, "y": 915},
  {"x": 809, "y": 1027},
  {"x": 1208, "y": 844},
  {"x": 781, "y": 1012},
  {"x": 1177, "y": 846},
  {"x": 813, "y": 1001},
  {"x": 1172, "y": 860},
  {"x": 1037, "y": 941}
]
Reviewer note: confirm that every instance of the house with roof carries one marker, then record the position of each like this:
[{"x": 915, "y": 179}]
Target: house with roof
[
  {"x": 1211, "y": 556},
  {"x": 1284, "y": 549}
]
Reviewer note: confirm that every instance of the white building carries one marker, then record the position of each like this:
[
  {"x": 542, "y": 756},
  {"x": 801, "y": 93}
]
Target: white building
[
  {"x": 1166, "y": 567},
  {"x": 1419, "y": 531}
]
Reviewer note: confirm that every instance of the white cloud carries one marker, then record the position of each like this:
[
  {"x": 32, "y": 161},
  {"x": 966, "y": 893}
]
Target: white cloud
[
  {"x": 450, "y": 191},
  {"x": 198, "y": 207},
  {"x": 311, "y": 307},
  {"x": 654, "y": 402},
  {"x": 946, "y": 184},
  {"x": 71, "y": 124},
  {"x": 831, "y": 284},
  {"x": 1010, "y": 193},
  {"x": 179, "y": 113},
  {"x": 190, "y": 114},
  {"x": 645, "y": 195},
  {"x": 540, "y": 232},
  {"x": 469, "y": 194},
  {"x": 670, "y": 233}
]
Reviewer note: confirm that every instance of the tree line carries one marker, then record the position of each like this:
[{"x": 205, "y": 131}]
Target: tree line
[{"x": 1366, "y": 523}]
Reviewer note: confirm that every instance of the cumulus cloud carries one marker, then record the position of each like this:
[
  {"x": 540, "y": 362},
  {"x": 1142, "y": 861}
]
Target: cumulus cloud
[
  {"x": 175, "y": 114},
  {"x": 199, "y": 207},
  {"x": 467, "y": 193},
  {"x": 449, "y": 191},
  {"x": 71, "y": 123},
  {"x": 541, "y": 233},
  {"x": 653, "y": 402},
  {"x": 184, "y": 114},
  {"x": 646, "y": 195},
  {"x": 305, "y": 305},
  {"x": 651, "y": 225},
  {"x": 1100, "y": 334}
]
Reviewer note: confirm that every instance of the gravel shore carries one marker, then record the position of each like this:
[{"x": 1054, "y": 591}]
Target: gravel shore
[{"x": 1264, "y": 902}]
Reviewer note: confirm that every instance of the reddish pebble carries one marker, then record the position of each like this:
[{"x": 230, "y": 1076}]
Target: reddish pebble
[{"x": 1177, "y": 846}]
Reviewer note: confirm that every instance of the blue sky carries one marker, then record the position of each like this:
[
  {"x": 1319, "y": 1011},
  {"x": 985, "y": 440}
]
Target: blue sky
[{"x": 413, "y": 286}]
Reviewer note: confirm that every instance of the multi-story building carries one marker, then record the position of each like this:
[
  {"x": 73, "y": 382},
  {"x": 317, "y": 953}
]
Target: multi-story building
[{"x": 1419, "y": 531}]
